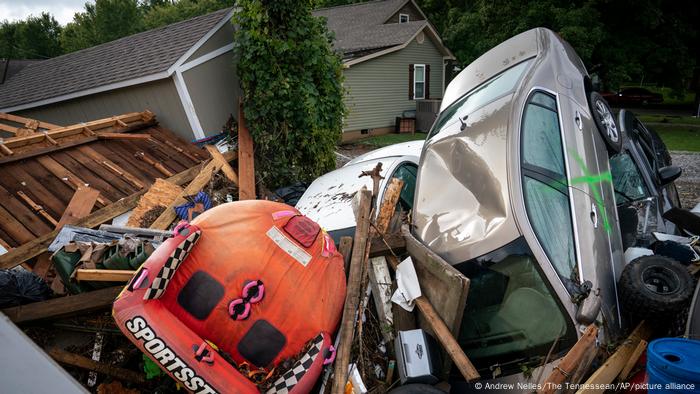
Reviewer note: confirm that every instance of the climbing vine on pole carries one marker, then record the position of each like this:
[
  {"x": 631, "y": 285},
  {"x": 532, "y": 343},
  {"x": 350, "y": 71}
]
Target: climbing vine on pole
[{"x": 292, "y": 89}]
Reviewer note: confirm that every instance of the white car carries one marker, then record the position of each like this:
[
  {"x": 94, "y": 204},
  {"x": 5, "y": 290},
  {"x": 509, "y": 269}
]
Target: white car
[{"x": 328, "y": 200}]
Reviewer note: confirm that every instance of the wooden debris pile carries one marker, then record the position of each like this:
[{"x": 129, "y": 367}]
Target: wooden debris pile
[
  {"x": 367, "y": 331},
  {"x": 86, "y": 175}
]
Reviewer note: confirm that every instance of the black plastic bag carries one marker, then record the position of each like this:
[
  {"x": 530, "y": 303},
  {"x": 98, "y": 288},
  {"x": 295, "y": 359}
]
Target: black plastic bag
[{"x": 19, "y": 287}]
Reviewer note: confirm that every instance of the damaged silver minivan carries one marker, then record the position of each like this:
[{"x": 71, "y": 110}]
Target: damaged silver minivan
[{"x": 526, "y": 207}]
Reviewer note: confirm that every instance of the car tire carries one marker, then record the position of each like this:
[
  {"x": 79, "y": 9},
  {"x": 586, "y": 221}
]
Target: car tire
[
  {"x": 655, "y": 287},
  {"x": 605, "y": 122}
]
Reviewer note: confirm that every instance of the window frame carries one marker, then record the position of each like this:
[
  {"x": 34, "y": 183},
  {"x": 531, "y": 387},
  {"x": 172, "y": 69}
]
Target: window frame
[
  {"x": 416, "y": 82},
  {"x": 534, "y": 172},
  {"x": 408, "y": 18}
]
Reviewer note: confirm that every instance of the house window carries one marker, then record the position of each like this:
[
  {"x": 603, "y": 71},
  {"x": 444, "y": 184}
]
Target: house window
[
  {"x": 404, "y": 18},
  {"x": 419, "y": 81}
]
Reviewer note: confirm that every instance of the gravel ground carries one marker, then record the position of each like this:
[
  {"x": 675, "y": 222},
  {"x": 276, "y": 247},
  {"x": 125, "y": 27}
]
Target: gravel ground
[{"x": 689, "y": 183}]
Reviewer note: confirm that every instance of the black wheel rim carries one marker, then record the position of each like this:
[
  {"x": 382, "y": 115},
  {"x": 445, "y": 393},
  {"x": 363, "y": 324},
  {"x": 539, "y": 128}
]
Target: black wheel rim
[{"x": 661, "y": 280}]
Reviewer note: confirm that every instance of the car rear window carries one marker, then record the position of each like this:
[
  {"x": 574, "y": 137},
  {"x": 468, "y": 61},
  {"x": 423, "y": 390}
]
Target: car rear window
[{"x": 485, "y": 93}]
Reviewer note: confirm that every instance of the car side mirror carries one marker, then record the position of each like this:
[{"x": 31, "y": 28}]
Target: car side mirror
[{"x": 669, "y": 174}]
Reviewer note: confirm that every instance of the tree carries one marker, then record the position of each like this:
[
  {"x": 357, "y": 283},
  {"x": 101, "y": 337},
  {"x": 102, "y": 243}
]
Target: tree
[
  {"x": 165, "y": 12},
  {"x": 292, "y": 88},
  {"x": 36, "y": 37},
  {"x": 103, "y": 21}
]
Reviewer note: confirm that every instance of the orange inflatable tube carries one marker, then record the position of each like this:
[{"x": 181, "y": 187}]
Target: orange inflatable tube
[{"x": 244, "y": 286}]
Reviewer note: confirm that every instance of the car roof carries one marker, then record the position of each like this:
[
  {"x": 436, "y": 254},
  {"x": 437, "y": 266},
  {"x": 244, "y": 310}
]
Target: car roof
[
  {"x": 328, "y": 200},
  {"x": 410, "y": 148}
]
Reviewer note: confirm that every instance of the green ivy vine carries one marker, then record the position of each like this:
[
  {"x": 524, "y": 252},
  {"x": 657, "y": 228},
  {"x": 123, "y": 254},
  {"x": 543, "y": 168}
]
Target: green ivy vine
[{"x": 292, "y": 89}]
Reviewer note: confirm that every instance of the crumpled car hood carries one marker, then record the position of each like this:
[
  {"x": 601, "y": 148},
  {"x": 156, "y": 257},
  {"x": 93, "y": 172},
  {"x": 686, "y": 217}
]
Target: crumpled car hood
[{"x": 462, "y": 205}]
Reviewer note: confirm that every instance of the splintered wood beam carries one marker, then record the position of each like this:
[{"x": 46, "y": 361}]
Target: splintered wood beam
[
  {"x": 99, "y": 275},
  {"x": 352, "y": 295},
  {"x": 182, "y": 151},
  {"x": 5, "y": 150},
  {"x": 225, "y": 166},
  {"x": 73, "y": 181},
  {"x": 40, "y": 244},
  {"x": 26, "y": 121},
  {"x": 246, "y": 163},
  {"x": 197, "y": 184},
  {"x": 120, "y": 123},
  {"x": 8, "y": 128},
  {"x": 570, "y": 362},
  {"x": 612, "y": 367},
  {"x": 89, "y": 137},
  {"x": 158, "y": 166},
  {"x": 123, "y": 136},
  {"x": 79, "y": 206},
  {"x": 36, "y": 207},
  {"x": 79, "y": 361},
  {"x": 63, "y": 306},
  {"x": 74, "y": 129}
]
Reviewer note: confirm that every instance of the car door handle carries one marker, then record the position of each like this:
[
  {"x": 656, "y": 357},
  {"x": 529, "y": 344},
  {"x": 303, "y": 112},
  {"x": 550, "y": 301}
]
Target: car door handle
[
  {"x": 594, "y": 215},
  {"x": 578, "y": 121}
]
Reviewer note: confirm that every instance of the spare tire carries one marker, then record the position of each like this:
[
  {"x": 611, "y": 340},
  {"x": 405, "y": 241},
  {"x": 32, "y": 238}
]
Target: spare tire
[
  {"x": 605, "y": 122},
  {"x": 655, "y": 286}
]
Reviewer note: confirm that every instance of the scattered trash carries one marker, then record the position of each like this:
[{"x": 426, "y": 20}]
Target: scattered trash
[{"x": 19, "y": 287}]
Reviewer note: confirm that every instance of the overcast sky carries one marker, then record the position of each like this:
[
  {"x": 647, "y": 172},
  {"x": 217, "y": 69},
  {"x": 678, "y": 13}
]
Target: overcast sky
[{"x": 62, "y": 10}]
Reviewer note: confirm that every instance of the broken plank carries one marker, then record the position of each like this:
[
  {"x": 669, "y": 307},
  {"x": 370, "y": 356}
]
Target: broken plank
[
  {"x": 352, "y": 296},
  {"x": 389, "y": 244},
  {"x": 104, "y": 275},
  {"x": 36, "y": 207},
  {"x": 123, "y": 136},
  {"x": 569, "y": 363},
  {"x": 225, "y": 166},
  {"x": 641, "y": 347},
  {"x": 612, "y": 367},
  {"x": 197, "y": 184},
  {"x": 23, "y": 213},
  {"x": 390, "y": 199},
  {"x": 14, "y": 228},
  {"x": 40, "y": 244},
  {"x": 76, "y": 360},
  {"x": 111, "y": 166},
  {"x": 63, "y": 306},
  {"x": 73, "y": 129},
  {"x": 65, "y": 145},
  {"x": 380, "y": 281},
  {"x": 8, "y": 128},
  {"x": 79, "y": 206},
  {"x": 157, "y": 165},
  {"x": 246, "y": 162},
  {"x": 69, "y": 178},
  {"x": 24, "y": 121},
  {"x": 345, "y": 249}
]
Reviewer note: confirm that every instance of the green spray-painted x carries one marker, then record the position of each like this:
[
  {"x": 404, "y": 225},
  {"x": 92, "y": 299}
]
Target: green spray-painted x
[{"x": 593, "y": 180}]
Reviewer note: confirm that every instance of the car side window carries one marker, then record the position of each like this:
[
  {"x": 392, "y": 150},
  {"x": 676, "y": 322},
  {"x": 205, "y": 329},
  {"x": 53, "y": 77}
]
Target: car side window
[
  {"x": 627, "y": 180},
  {"x": 542, "y": 146},
  {"x": 407, "y": 173},
  {"x": 545, "y": 185}
]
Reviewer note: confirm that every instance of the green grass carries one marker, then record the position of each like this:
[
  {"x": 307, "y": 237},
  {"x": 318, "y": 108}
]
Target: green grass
[
  {"x": 680, "y": 137},
  {"x": 669, "y": 119},
  {"x": 389, "y": 139}
]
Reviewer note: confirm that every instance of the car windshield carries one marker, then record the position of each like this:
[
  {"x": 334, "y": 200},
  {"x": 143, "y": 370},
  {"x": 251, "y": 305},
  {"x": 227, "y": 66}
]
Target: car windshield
[
  {"x": 627, "y": 180},
  {"x": 496, "y": 87},
  {"x": 511, "y": 315}
]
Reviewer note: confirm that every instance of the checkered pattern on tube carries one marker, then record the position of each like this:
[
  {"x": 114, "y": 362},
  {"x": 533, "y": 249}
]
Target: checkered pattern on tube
[
  {"x": 285, "y": 383},
  {"x": 160, "y": 283}
]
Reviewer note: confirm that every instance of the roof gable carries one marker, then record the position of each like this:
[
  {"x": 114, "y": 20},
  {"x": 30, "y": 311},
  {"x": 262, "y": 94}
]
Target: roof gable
[
  {"x": 363, "y": 29},
  {"x": 140, "y": 55}
]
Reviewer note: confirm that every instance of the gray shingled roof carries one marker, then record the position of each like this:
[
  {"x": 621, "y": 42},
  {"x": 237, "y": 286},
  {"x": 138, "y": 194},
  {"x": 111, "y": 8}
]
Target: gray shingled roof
[
  {"x": 127, "y": 58},
  {"x": 360, "y": 26}
]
